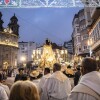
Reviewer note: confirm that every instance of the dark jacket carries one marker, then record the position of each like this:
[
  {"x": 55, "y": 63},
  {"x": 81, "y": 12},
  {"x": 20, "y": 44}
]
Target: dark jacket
[
  {"x": 76, "y": 77},
  {"x": 18, "y": 77}
]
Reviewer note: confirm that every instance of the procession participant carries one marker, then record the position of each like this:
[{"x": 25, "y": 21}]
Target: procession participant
[
  {"x": 47, "y": 74},
  {"x": 19, "y": 76},
  {"x": 34, "y": 77},
  {"x": 6, "y": 88},
  {"x": 77, "y": 76},
  {"x": 57, "y": 86},
  {"x": 3, "y": 95},
  {"x": 69, "y": 72},
  {"x": 89, "y": 85}
]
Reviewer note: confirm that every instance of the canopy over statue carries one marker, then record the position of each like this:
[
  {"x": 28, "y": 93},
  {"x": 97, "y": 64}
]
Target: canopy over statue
[{"x": 48, "y": 56}]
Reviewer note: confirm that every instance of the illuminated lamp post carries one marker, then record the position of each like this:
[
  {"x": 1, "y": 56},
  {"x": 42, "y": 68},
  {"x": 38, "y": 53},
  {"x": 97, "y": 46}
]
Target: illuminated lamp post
[
  {"x": 23, "y": 59},
  {"x": 62, "y": 54},
  {"x": 89, "y": 44},
  {"x": 66, "y": 55}
]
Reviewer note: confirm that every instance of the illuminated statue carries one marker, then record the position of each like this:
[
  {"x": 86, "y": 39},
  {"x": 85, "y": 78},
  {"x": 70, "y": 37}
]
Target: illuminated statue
[{"x": 48, "y": 56}]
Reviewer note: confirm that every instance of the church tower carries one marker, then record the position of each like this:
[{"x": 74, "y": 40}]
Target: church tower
[
  {"x": 13, "y": 25},
  {"x": 1, "y": 22}
]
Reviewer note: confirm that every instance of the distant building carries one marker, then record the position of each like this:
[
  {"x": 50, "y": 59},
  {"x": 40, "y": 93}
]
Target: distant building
[
  {"x": 69, "y": 46},
  {"x": 76, "y": 35},
  {"x": 25, "y": 51},
  {"x": 9, "y": 42},
  {"x": 80, "y": 34}
]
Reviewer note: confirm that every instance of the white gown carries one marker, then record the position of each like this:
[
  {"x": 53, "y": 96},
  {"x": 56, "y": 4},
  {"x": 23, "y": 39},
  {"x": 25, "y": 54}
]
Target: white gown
[
  {"x": 3, "y": 95},
  {"x": 57, "y": 87}
]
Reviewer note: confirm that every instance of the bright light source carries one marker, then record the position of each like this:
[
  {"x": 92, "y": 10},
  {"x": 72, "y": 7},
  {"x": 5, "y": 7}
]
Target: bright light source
[
  {"x": 90, "y": 42},
  {"x": 62, "y": 52},
  {"x": 23, "y": 59},
  {"x": 32, "y": 56},
  {"x": 66, "y": 51},
  {"x": 50, "y": 59},
  {"x": 34, "y": 52}
]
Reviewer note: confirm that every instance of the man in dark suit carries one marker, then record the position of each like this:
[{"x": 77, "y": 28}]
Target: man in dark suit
[
  {"x": 20, "y": 75},
  {"x": 77, "y": 76}
]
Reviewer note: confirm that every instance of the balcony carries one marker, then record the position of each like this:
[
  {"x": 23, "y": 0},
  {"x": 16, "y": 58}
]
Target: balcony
[
  {"x": 85, "y": 51},
  {"x": 92, "y": 10},
  {"x": 83, "y": 54},
  {"x": 95, "y": 12},
  {"x": 95, "y": 45},
  {"x": 79, "y": 53}
]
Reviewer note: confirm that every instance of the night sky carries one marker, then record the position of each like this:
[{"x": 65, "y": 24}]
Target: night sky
[{"x": 37, "y": 24}]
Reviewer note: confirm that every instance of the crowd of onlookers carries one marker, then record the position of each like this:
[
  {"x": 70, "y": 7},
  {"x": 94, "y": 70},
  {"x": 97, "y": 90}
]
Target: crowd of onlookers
[{"x": 55, "y": 85}]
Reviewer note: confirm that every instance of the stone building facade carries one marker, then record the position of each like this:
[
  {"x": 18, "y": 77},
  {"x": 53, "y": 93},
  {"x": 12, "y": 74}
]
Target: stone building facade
[
  {"x": 76, "y": 35},
  {"x": 94, "y": 32},
  {"x": 25, "y": 51},
  {"x": 80, "y": 34},
  {"x": 9, "y": 42}
]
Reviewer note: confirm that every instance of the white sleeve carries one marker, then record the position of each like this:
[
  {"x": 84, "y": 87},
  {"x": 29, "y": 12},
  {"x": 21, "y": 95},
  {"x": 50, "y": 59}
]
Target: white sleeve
[
  {"x": 80, "y": 96},
  {"x": 41, "y": 83},
  {"x": 69, "y": 86},
  {"x": 7, "y": 90},
  {"x": 3, "y": 95},
  {"x": 46, "y": 88}
]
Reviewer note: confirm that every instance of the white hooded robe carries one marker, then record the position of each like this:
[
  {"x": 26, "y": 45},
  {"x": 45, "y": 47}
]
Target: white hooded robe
[
  {"x": 90, "y": 80},
  {"x": 56, "y": 87}
]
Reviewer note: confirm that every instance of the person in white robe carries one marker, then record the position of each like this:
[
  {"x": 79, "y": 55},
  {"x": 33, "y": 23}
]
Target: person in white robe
[
  {"x": 6, "y": 88},
  {"x": 57, "y": 86},
  {"x": 47, "y": 74},
  {"x": 89, "y": 85},
  {"x": 3, "y": 95}
]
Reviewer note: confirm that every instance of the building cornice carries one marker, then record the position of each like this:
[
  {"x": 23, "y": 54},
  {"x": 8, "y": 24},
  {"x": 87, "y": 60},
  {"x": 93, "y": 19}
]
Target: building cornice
[
  {"x": 93, "y": 26},
  {"x": 9, "y": 44},
  {"x": 8, "y": 34},
  {"x": 95, "y": 45}
]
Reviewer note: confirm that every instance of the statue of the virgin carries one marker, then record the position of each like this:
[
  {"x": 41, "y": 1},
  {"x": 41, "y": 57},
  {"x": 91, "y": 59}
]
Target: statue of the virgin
[{"x": 48, "y": 56}]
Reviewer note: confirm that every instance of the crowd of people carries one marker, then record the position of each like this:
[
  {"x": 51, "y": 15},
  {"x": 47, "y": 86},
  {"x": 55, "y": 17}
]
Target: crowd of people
[{"x": 55, "y": 85}]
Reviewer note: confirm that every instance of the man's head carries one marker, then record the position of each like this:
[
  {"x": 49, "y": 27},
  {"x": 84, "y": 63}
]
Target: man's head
[
  {"x": 56, "y": 67},
  {"x": 78, "y": 68},
  {"x": 69, "y": 66},
  {"x": 46, "y": 71},
  {"x": 88, "y": 65},
  {"x": 21, "y": 70}
]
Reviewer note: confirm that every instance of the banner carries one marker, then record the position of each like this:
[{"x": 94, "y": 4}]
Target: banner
[{"x": 49, "y": 3}]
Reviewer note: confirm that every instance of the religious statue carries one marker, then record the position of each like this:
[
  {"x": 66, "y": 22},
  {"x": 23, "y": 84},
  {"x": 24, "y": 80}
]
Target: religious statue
[{"x": 48, "y": 56}]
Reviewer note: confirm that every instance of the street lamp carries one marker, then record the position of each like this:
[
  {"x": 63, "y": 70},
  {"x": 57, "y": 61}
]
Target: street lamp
[
  {"x": 66, "y": 57},
  {"x": 23, "y": 59},
  {"x": 89, "y": 44}
]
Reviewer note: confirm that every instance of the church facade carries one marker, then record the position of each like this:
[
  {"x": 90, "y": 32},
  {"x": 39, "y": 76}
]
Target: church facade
[{"x": 9, "y": 42}]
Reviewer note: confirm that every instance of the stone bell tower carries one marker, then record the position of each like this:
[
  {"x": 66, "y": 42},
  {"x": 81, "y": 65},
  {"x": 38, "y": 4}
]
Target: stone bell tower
[{"x": 13, "y": 25}]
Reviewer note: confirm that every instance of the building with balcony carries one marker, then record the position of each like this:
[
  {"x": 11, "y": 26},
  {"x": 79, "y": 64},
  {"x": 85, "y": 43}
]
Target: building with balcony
[
  {"x": 76, "y": 35},
  {"x": 80, "y": 36},
  {"x": 94, "y": 32},
  {"x": 9, "y": 42}
]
